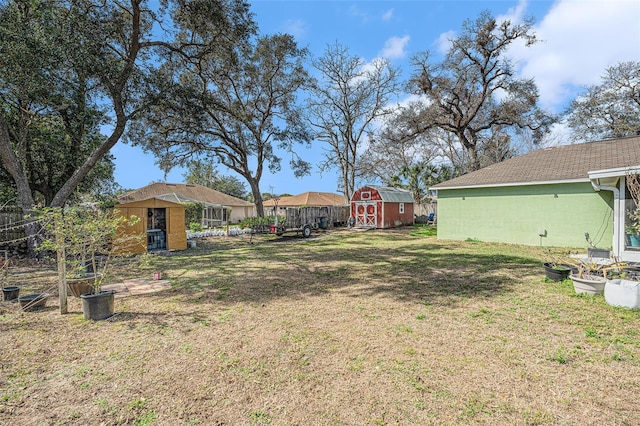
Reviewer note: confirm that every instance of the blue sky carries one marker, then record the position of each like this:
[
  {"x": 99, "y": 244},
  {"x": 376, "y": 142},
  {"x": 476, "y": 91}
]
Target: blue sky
[{"x": 580, "y": 39}]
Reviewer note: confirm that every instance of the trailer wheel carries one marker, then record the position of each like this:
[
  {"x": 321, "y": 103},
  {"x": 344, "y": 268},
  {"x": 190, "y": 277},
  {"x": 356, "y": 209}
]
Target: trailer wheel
[{"x": 306, "y": 231}]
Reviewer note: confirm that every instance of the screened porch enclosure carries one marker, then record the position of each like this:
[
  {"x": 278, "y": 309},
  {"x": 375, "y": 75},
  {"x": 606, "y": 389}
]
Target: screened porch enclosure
[{"x": 214, "y": 215}]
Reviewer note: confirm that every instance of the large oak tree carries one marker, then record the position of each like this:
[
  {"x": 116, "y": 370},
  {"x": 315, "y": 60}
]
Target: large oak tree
[
  {"x": 474, "y": 94},
  {"x": 237, "y": 109},
  {"x": 88, "y": 63}
]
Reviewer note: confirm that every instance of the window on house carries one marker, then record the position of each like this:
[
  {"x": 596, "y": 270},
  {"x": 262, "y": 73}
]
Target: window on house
[
  {"x": 401, "y": 208},
  {"x": 632, "y": 216}
]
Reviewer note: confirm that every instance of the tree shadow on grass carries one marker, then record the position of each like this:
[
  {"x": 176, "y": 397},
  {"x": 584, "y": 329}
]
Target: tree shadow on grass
[{"x": 392, "y": 264}]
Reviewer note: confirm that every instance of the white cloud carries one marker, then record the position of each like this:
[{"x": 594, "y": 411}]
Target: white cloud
[
  {"x": 412, "y": 99},
  {"x": 387, "y": 15},
  {"x": 296, "y": 28},
  {"x": 395, "y": 47},
  {"x": 359, "y": 13},
  {"x": 443, "y": 42},
  {"x": 580, "y": 39},
  {"x": 515, "y": 14}
]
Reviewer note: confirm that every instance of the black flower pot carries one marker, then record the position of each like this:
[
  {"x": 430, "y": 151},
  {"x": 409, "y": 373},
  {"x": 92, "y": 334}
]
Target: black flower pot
[
  {"x": 10, "y": 293},
  {"x": 98, "y": 306},
  {"x": 34, "y": 301},
  {"x": 557, "y": 272}
]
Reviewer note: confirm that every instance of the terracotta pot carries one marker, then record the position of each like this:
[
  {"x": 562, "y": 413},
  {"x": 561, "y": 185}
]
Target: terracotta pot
[{"x": 79, "y": 286}]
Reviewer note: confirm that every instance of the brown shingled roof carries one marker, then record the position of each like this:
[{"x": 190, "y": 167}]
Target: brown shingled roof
[
  {"x": 554, "y": 164},
  {"x": 195, "y": 192},
  {"x": 309, "y": 199}
]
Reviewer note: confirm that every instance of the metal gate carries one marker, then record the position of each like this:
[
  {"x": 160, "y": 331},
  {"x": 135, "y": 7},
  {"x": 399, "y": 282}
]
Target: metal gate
[{"x": 366, "y": 214}]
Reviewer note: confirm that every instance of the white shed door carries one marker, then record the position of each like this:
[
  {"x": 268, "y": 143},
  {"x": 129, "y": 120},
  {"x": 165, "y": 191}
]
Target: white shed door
[{"x": 366, "y": 214}]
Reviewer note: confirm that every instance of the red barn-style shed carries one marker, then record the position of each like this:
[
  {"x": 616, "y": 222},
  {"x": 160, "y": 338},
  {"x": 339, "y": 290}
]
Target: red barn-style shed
[{"x": 382, "y": 207}]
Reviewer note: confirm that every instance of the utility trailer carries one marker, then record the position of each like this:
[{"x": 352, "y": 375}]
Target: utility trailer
[{"x": 305, "y": 219}]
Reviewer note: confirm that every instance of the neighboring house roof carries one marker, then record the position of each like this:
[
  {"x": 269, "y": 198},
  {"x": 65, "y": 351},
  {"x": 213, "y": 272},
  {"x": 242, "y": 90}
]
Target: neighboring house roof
[
  {"x": 308, "y": 199},
  {"x": 179, "y": 192},
  {"x": 176, "y": 198},
  {"x": 393, "y": 195},
  {"x": 564, "y": 163}
]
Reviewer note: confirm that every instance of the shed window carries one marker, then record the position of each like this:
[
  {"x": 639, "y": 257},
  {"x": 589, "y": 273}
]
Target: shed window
[
  {"x": 365, "y": 195},
  {"x": 401, "y": 207}
]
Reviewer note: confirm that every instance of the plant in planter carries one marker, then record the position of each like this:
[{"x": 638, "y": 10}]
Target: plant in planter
[
  {"x": 79, "y": 266},
  {"x": 557, "y": 272},
  {"x": 632, "y": 227},
  {"x": 591, "y": 276},
  {"x": 88, "y": 239},
  {"x": 557, "y": 269}
]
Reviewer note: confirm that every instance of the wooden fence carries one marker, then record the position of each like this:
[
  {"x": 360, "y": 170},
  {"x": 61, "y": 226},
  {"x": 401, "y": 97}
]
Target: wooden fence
[
  {"x": 425, "y": 209},
  {"x": 331, "y": 215},
  {"x": 11, "y": 221}
]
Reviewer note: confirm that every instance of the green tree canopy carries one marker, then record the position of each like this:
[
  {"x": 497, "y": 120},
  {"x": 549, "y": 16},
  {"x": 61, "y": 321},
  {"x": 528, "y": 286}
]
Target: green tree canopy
[
  {"x": 70, "y": 67},
  {"x": 200, "y": 172},
  {"x": 237, "y": 109}
]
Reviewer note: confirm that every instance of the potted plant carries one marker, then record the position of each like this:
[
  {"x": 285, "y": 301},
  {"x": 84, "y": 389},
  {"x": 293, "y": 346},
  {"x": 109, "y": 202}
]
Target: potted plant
[
  {"x": 88, "y": 239},
  {"x": 590, "y": 276},
  {"x": 557, "y": 269},
  {"x": 632, "y": 227},
  {"x": 79, "y": 267}
]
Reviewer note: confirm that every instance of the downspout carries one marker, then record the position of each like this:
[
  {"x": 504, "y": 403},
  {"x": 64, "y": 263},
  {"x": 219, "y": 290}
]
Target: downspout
[{"x": 616, "y": 222}]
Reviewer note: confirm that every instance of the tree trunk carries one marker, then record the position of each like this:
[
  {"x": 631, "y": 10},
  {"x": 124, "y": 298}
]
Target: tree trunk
[
  {"x": 257, "y": 196},
  {"x": 25, "y": 197},
  {"x": 72, "y": 183}
]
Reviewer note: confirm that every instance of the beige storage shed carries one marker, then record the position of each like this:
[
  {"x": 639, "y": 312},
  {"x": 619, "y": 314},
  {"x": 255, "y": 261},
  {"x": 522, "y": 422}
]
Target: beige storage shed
[{"x": 162, "y": 223}]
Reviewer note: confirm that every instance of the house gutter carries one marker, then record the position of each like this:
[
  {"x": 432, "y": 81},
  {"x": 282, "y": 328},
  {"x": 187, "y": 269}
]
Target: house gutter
[{"x": 617, "y": 224}]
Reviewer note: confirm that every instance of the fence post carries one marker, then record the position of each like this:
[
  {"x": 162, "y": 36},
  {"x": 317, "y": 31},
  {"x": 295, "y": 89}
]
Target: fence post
[{"x": 62, "y": 273}]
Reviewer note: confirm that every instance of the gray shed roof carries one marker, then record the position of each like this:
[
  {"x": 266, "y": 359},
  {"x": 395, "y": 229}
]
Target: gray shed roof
[
  {"x": 393, "y": 195},
  {"x": 556, "y": 164}
]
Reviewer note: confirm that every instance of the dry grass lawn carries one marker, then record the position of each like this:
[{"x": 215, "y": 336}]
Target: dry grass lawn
[{"x": 344, "y": 328}]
